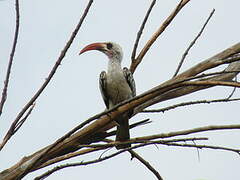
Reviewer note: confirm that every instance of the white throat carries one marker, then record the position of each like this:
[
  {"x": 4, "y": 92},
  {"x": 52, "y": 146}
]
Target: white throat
[{"x": 114, "y": 66}]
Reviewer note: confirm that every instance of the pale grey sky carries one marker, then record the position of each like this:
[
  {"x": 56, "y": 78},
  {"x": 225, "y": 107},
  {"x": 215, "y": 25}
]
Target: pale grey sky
[{"x": 73, "y": 94}]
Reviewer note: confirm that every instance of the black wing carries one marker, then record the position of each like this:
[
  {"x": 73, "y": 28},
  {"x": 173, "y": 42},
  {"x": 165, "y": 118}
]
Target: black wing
[
  {"x": 130, "y": 80},
  {"x": 103, "y": 88}
]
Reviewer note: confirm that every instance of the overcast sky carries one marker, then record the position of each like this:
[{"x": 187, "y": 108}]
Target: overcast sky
[{"x": 73, "y": 94}]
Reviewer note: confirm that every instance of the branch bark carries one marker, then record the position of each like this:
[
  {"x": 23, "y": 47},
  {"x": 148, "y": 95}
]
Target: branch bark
[{"x": 6, "y": 81}]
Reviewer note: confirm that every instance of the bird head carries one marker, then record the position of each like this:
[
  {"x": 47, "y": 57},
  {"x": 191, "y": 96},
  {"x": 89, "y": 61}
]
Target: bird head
[{"x": 111, "y": 49}]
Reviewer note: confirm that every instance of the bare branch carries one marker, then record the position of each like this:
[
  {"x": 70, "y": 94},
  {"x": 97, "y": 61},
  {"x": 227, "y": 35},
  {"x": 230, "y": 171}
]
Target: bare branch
[
  {"x": 212, "y": 83},
  {"x": 18, "y": 125},
  {"x": 189, "y": 103},
  {"x": 157, "y": 34},
  {"x": 48, "y": 173},
  {"x": 162, "y": 142},
  {"x": 192, "y": 43},
  {"x": 6, "y": 81},
  {"x": 205, "y": 147},
  {"x": 69, "y": 155},
  {"x": 233, "y": 91},
  {"x": 142, "y": 140},
  {"x": 147, "y": 164},
  {"x": 190, "y": 131},
  {"x": 141, "y": 159},
  {"x": 51, "y": 74},
  {"x": 141, "y": 30},
  {"x": 230, "y": 55}
]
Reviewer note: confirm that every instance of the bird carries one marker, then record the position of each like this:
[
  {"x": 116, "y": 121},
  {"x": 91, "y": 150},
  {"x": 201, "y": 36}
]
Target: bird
[{"x": 116, "y": 85}]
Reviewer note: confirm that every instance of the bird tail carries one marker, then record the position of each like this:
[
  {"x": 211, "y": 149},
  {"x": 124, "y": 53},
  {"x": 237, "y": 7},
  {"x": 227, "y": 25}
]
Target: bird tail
[{"x": 123, "y": 132}]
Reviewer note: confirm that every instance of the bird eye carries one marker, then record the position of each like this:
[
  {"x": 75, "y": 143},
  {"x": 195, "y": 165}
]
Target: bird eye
[{"x": 109, "y": 45}]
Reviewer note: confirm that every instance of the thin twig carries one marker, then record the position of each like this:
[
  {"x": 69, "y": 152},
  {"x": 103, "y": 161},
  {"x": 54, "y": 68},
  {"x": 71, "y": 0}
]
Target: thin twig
[
  {"x": 191, "y": 131},
  {"x": 69, "y": 155},
  {"x": 192, "y": 43},
  {"x": 212, "y": 83},
  {"x": 137, "y": 124},
  {"x": 205, "y": 147},
  {"x": 18, "y": 125},
  {"x": 51, "y": 74},
  {"x": 6, "y": 81},
  {"x": 145, "y": 163},
  {"x": 233, "y": 91},
  {"x": 189, "y": 103},
  {"x": 141, "y": 30},
  {"x": 48, "y": 173},
  {"x": 142, "y": 140},
  {"x": 157, "y": 34},
  {"x": 142, "y": 160}
]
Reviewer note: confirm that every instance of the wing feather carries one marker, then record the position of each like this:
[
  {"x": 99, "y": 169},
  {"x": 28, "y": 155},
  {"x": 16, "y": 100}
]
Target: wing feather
[
  {"x": 130, "y": 80},
  {"x": 103, "y": 88}
]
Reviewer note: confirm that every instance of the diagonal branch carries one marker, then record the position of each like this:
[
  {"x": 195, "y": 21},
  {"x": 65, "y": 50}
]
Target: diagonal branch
[
  {"x": 189, "y": 103},
  {"x": 141, "y": 30},
  {"x": 229, "y": 55},
  {"x": 154, "y": 37},
  {"x": 48, "y": 79},
  {"x": 145, "y": 163},
  {"x": 138, "y": 157},
  {"x": 192, "y": 43},
  {"x": 6, "y": 81},
  {"x": 204, "y": 147}
]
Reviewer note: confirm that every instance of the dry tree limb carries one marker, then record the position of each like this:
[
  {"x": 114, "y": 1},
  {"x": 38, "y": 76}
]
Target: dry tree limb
[
  {"x": 137, "y": 156},
  {"x": 18, "y": 125},
  {"x": 192, "y": 43},
  {"x": 141, "y": 30},
  {"x": 89, "y": 150},
  {"x": 145, "y": 163},
  {"x": 141, "y": 140},
  {"x": 6, "y": 81},
  {"x": 189, "y": 103},
  {"x": 190, "y": 131},
  {"x": 154, "y": 37},
  {"x": 212, "y": 83},
  {"x": 69, "y": 155},
  {"x": 47, "y": 80},
  {"x": 160, "y": 142},
  {"x": 230, "y": 55},
  {"x": 57, "y": 168},
  {"x": 204, "y": 147},
  {"x": 233, "y": 91}
]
